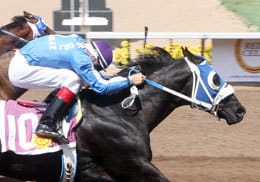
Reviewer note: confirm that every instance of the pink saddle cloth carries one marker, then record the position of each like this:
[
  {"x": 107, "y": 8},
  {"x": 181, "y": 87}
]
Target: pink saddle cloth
[{"x": 18, "y": 123}]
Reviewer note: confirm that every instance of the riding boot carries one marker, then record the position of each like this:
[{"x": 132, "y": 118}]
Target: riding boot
[{"x": 54, "y": 113}]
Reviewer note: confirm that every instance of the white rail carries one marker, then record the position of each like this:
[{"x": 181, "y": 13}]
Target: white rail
[
  {"x": 173, "y": 35},
  {"x": 168, "y": 35}
]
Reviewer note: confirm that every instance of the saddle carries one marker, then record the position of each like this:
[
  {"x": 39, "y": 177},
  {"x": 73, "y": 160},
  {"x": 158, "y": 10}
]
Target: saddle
[{"x": 18, "y": 121}]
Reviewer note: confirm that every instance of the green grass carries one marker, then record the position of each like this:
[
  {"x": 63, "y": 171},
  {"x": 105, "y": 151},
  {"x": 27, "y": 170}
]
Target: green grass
[{"x": 249, "y": 10}]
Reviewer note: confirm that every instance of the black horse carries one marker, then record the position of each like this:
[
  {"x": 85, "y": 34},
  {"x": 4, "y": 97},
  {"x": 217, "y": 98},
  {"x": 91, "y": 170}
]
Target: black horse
[{"x": 113, "y": 138}]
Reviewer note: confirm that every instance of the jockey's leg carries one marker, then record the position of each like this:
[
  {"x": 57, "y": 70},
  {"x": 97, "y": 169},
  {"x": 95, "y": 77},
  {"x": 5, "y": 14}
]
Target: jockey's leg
[
  {"x": 53, "y": 114},
  {"x": 37, "y": 77}
]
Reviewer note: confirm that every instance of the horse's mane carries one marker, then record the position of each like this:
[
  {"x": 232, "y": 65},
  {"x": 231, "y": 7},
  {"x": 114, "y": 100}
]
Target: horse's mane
[
  {"x": 150, "y": 62},
  {"x": 17, "y": 21}
]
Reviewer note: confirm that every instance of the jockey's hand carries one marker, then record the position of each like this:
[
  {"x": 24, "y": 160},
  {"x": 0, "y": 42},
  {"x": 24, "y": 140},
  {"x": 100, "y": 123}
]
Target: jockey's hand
[
  {"x": 137, "y": 78},
  {"x": 41, "y": 25}
]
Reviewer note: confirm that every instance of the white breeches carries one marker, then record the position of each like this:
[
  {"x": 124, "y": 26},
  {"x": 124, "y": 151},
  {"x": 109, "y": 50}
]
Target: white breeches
[{"x": 23, "y": 75}]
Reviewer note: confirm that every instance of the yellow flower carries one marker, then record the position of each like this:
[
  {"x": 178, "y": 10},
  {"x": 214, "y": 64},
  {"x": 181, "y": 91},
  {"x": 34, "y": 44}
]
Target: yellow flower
[
  {"x": 139, "y": 50},
  {"x": 122, "y": 55},
  {"x": 41, "y": 142},
  {"x": 208, "y": 47},
  {"x": 125, "y": 43},
  {"x": 148, "y": 46},
  {"x": 124, "y": 61}
]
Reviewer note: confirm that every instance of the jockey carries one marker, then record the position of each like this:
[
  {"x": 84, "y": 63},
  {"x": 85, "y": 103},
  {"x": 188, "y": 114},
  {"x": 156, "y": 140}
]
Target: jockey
[{"x": 64, "y": 62}]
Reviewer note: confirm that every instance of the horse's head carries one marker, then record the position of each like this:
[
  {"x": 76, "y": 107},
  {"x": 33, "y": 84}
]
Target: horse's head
[
  {"x": 39, "y": 22},
  {"x": 16, "y": 33},
  {"x": 21, "y": 29},
  {"x": 37, "y": 25},
  {"x": 195, "y": 82},
  {"x": 211, "y": 92},
  {"x": 10, "y": 34}
]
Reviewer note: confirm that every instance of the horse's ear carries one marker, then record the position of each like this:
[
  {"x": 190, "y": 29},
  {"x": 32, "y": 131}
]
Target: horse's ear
[
  {"x": 27, "y": 14},
  {"x": 29, "y": 17},
  {"x": 188, "y": 52},
  {"x": 192, "y": 57},
  {"x": 185, "y": 51}
]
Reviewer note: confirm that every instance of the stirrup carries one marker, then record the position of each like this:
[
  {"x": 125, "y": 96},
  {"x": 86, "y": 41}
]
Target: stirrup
[
  {"x": 61, "y": 139},
  {"x": 55, "y": 136}
]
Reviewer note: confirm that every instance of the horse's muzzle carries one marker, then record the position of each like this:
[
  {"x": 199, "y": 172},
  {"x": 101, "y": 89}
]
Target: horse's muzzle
[
  {"x": 231, "y": 110},
  {"x": 239, "y": 116}
]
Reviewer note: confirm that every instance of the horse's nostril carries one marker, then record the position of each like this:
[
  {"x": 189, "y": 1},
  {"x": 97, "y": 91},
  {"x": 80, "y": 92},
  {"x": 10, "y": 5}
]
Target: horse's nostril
[{"x": 240, "y": 112}]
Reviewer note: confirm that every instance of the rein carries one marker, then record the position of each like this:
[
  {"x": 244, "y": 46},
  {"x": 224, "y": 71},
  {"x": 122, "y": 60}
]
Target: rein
[
  {"x": 178, "y": 94},
  {"x": 212, "y": 107},
  {"x": 16, "y": 37}
]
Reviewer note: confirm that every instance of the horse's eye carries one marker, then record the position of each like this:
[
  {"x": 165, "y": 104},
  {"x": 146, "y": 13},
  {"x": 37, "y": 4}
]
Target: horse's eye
[{"x": 214, "y": 80}]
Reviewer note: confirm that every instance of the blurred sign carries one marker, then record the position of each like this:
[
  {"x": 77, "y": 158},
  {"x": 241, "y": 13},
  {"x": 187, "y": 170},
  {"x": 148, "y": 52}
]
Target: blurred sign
[{"x": 237, "y": 60}]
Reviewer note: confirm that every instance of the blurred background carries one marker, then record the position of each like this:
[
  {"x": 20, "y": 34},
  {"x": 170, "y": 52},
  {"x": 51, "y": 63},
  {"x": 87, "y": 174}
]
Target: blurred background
[
  {"x": 174, "y": 16},
  {"x": 133, "y": 15}
]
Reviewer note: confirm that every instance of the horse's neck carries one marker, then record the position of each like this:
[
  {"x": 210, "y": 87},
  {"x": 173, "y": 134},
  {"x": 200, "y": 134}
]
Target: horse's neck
[
  {"x": 157, "y": 104},
  {"x": 7, "y": 90},
  {"x": 155, "y": 109},
  {"x": 5, "y": 43}
]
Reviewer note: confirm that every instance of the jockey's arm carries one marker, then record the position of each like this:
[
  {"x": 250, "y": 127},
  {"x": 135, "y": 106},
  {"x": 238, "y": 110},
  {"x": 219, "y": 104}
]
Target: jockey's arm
[{"x": 83, "y": 66}]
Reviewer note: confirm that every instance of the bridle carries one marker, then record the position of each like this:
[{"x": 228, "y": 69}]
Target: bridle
[
  {"x": 213, "y": 106},
  {"x": 19, "y": 41}
]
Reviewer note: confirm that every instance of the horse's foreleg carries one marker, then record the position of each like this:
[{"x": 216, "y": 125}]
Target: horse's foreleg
[
  {"x": 89, "y": 171},
  {"x": 150, "y": 173}
]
